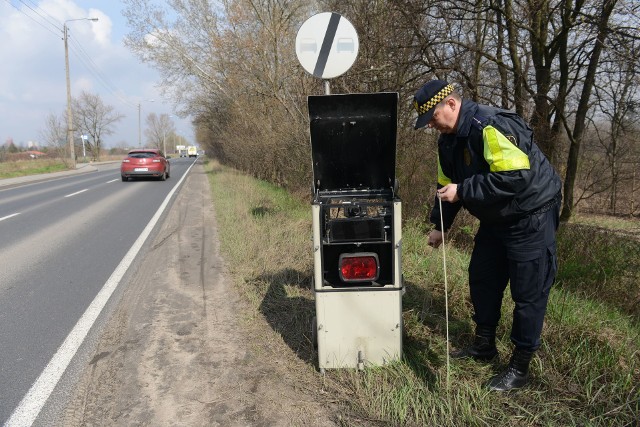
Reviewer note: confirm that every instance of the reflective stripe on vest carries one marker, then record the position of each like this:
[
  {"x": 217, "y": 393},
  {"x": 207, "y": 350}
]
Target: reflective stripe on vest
[
  {"x": 442, "y": 178},
  {"x": 501, "y": 154}
]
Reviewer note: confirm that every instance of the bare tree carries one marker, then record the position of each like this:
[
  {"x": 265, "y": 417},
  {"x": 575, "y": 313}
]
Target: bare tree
[
  {"x": 94, "y": 119},
  {"x": 552, "y": 50},
  {"x": 159, "y": 130},
  {"x": 54, "y": 135},
  {"x": 231, "y": 64},
  {"x": 584, "y": 103},
  {"x": 177, "y": 139},
  {"x": 617, "y": 99}
]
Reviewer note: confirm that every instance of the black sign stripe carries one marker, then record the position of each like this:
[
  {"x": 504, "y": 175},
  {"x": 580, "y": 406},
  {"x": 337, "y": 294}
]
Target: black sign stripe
[{"x": 326, "y": 45}]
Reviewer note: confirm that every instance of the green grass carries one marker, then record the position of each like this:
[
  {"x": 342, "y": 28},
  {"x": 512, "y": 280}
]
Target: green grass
[
  {"x": 18, "y": 168},
  {"x": 608, "y": 222},
  {"x": 587, "y": 373},
  {"x": 600, "y": 265}
]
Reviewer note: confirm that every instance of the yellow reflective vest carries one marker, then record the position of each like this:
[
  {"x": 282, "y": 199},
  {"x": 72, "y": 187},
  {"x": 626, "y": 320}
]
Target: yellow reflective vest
[{"x": 501, "y": 173}]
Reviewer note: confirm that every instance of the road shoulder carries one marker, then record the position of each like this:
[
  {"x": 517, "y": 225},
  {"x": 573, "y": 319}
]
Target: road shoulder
[{"x": 183, "y": 348}]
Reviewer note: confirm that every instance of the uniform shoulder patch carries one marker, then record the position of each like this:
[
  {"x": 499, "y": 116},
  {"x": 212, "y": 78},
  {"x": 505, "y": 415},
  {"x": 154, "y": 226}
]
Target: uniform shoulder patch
[{"x": 512, "y": 139}]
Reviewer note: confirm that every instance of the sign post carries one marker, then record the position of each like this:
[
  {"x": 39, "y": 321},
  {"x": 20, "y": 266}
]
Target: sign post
[{"x": 84, "y": 151}]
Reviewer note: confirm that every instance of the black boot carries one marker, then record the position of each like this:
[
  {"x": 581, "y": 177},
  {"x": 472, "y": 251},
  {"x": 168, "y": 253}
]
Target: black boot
[
  {"x": 516, "y": 374},
  {"x": 483, "y": 347}
]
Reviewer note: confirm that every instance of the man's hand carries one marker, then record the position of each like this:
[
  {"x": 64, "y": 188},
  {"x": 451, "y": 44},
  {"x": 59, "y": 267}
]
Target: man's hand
[
  {"x": 435, "y": 238},
  {"x": 449, "y": 193}
]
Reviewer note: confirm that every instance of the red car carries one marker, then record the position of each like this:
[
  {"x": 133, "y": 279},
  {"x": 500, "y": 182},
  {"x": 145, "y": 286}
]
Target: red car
[{"x": 145, "y": 162}]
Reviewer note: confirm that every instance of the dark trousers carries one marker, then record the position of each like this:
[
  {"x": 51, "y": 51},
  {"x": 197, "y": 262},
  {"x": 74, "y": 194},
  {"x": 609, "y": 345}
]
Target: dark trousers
[{"x": 523, "y": 254}]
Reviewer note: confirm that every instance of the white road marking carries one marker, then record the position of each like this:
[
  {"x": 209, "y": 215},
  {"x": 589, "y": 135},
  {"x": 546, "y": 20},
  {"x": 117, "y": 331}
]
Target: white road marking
[
  {"x": 113, "y": 180},
  {"x": 77, "y": 192},
  {"x": 9, "y": 216},
  {"x": 31, "y": 404}
]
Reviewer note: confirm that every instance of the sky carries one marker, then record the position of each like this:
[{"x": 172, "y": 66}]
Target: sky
[{"x": 32, "y": 69}]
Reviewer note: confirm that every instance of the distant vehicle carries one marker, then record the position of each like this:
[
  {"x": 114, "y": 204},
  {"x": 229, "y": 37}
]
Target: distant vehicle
[
  {"x": 192, "y": 151},
  {"x": 145, "y": 162},
  {"x": 182, "y": 150}
]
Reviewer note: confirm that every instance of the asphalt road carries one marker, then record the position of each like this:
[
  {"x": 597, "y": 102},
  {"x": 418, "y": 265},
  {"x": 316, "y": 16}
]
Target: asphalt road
[{"x": 60, "y": 242}]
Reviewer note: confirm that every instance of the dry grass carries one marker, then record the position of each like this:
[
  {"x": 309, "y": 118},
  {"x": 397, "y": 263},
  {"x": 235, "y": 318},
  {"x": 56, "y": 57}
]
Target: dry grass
[
  {"x": 16, "y": 168},
  {"x": 12, "y": 169},
  {"x": 269, "y": 261},
  {"x": 586, "y": 374},
  {"x": 625, "y": 226}
]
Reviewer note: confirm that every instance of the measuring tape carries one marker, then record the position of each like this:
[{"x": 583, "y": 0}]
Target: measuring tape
[{"x": 446, "y": 289}]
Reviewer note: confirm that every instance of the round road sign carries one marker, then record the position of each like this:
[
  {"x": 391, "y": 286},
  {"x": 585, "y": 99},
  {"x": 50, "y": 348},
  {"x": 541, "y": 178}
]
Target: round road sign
[{"x": 327, "y": 45}]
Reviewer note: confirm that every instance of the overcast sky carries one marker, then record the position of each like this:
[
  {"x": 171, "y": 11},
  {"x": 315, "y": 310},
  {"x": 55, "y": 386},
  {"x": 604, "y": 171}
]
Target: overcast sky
[{"x": 32, "y": 68}]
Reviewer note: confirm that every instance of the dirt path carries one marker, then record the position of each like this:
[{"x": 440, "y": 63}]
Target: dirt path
[{"x": 183, "y": 349}]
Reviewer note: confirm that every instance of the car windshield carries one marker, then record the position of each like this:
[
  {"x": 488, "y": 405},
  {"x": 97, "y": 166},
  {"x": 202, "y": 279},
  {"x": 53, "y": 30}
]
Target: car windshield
[{"x": 142, "y": 155}]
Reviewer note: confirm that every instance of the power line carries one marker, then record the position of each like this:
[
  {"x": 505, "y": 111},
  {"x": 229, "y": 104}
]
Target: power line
[
  {"x": 55, "y": 24},
  {"x": 33, "y": 19},
  {"x": 91, "y": 66},
  {"x": 76, "y": 47}
]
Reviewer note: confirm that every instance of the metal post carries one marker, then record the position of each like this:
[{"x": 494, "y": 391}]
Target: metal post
[
  {"x": 139, "y": 132},
  {"x": 327, "y": 88}
]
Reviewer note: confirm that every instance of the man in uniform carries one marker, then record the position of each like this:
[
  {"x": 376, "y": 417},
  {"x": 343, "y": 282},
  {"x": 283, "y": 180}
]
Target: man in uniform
[{"x": 489, "y": 164}]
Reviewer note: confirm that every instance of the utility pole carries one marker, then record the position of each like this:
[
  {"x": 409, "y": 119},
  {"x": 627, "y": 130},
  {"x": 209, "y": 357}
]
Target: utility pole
[
  {"x": 139, "y": 131},
  {"x": 72, "y": 151},
  {"x": 70, "y": 129},
  {"x": 164, "y": 136}
]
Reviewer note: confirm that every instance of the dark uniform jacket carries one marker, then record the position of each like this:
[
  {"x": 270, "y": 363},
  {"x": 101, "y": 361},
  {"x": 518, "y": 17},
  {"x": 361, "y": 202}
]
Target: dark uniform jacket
[{"x": 501, "y": 173}]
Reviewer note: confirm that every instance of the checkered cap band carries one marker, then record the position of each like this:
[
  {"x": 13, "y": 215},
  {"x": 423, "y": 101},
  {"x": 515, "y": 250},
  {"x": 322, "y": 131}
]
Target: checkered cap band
[{"x": 435, "y": 100}]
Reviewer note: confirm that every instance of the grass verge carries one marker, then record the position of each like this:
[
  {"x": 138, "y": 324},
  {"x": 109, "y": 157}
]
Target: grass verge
[
  {"x": 18, "y": 168},
  {"x": 586, "y": 374}
]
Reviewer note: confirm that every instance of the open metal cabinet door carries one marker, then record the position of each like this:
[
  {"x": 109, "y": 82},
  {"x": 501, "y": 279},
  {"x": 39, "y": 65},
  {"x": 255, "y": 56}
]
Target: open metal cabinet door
[{"x": 353, "y": 141}]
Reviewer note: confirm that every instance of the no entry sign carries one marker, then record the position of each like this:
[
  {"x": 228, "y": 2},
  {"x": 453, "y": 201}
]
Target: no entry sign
[{"x": 327, "y": 45}]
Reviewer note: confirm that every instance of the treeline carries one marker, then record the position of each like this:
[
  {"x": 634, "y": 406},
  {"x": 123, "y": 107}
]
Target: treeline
[{"x": 570, "y": 67}]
